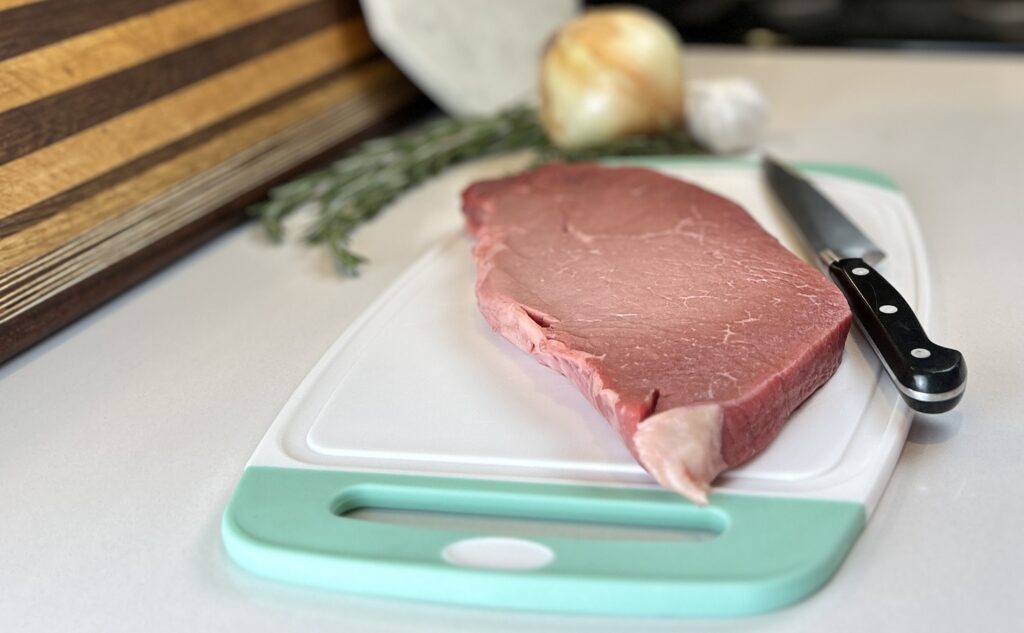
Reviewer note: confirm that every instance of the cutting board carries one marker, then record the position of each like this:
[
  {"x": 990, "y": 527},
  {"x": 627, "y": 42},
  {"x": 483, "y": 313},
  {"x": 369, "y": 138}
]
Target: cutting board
[
  {"x": 132, "y": 131},
  {"x": 420, "y": 407}
]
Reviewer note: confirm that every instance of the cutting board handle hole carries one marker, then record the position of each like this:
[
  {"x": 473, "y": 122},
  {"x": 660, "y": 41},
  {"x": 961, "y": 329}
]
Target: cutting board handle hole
[{"x": 533, "y": 514}]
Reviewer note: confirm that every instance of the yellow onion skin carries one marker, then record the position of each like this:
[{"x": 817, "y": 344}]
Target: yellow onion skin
[{"x": 609, "y": 73}]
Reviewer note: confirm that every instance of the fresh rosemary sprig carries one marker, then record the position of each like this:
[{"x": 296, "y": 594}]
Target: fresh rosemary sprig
[{"x": 355, "y": 188}]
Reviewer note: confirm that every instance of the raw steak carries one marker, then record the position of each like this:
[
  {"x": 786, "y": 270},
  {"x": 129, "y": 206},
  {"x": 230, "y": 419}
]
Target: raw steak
[{"x": 691, "y": 329}]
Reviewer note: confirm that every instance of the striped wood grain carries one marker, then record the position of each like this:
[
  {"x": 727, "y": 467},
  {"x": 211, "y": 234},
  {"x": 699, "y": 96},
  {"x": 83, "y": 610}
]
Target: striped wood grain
[
  {"x": 74, "y": 216},
  {"x": 83, "y": 58},
  {"x": 31, "y": 178},
  {"x": 103, "y": 214},
  {"x": 192, "y": 199},
  {"x": 132, "y": 129},
  {"x": 28, "y": 26}
]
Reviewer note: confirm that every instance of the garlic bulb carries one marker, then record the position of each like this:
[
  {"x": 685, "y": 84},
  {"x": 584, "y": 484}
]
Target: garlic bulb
[
  {"x": 725, "y": 115},
  {"x": 610, "y": 73}
]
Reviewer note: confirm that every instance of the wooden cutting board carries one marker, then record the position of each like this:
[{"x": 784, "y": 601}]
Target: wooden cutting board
[{"x": 133, "y": 130}]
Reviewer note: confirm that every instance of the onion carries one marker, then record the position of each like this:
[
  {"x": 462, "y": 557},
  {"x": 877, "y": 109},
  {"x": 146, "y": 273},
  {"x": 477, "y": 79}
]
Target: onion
[{"x": 610, "y": 73}]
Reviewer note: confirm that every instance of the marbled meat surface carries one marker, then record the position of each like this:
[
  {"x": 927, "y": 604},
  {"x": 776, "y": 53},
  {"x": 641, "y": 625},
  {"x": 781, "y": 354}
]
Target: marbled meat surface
[{"x": 691, "y": 329}]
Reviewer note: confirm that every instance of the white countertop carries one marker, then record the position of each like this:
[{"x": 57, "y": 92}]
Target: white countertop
[{"x": 122, "y": 437}]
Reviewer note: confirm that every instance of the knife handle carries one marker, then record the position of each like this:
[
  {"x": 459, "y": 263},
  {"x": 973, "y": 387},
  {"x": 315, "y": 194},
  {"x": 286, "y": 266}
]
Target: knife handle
[{"x": 931, "y": 378}]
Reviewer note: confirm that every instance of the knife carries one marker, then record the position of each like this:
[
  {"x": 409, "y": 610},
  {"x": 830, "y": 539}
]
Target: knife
[{"x": 931, "y": 378}]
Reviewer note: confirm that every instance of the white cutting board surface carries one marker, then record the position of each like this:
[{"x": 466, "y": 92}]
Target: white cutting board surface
[{"x": 420, "y": 384}]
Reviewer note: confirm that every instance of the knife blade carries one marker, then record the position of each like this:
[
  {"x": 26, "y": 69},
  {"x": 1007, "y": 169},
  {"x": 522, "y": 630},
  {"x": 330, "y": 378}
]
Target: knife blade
[{"x": 929, "y": 377}]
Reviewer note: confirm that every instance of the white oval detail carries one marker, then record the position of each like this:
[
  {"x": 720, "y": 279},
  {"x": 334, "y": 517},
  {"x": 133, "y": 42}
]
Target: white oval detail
[
  {"x": 860, "y": 271},
  {"x": 920, "y": 352},
  {"x": 887, "y": 309},
  {"x": 498, "y": 552}
]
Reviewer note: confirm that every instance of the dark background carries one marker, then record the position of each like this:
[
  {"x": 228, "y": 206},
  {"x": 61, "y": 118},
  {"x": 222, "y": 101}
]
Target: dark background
[{"x": 981, "y": 25}]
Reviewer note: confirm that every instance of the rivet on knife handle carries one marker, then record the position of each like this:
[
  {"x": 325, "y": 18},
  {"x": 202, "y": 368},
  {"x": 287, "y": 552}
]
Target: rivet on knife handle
[{"x": 931, "y": 378}]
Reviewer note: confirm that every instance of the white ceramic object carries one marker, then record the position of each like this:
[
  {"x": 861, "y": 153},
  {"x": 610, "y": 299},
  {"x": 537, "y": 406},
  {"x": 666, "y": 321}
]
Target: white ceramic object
[{"x": 472, "y": 57}]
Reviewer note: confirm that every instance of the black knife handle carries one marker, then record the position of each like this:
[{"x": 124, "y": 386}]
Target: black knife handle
[{"x": 930, "y": 378}]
